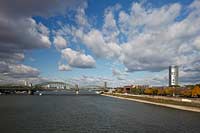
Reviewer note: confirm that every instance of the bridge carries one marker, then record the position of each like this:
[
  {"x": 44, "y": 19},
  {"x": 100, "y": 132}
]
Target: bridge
[
  {"x": 56, "y": 85},
  {"x": 94, "y": 87},
  {"x": 46, "y": 86}
]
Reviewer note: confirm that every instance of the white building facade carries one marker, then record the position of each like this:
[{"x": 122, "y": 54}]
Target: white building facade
[{"x": 173, "y": 75}]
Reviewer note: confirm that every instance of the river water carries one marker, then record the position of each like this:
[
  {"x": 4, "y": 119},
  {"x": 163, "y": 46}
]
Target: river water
[{"x": 90, "y": 113}]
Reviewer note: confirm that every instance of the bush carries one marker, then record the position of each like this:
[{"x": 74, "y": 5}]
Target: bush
[{"x": 137, "y": 91}]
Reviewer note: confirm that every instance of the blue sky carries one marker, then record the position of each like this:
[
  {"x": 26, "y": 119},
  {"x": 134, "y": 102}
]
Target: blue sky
[{"x": 90, "y": 41}]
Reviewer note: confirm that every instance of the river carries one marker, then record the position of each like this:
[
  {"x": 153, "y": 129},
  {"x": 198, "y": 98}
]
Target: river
[{"x": 71, "y": 113}]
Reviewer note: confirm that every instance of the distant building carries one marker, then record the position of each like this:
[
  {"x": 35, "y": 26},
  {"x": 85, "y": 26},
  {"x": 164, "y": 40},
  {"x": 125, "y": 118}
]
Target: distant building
[
  {"x": 141, "y": 86},
  {"x": 127, "y": 88},
  {"x": 105, "y": 85},
  {"x": 26, "y": 83},
  {"x": 173, "y": 75}
]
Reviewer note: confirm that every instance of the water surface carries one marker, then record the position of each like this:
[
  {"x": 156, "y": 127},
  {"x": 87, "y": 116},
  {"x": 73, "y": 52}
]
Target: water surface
[{"x": 90, "y": 113}]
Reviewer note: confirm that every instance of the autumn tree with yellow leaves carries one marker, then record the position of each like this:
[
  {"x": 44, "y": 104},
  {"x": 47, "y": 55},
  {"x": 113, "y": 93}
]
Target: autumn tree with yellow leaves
[
  {"x": 148, "y": 91},
  {"x": 196, "y": 91}
]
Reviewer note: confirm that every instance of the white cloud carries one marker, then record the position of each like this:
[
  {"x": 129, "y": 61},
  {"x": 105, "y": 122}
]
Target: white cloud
[
  {"x": 104, "y": 42},
  {"x": 120, "y": 75},
  {"x": 60, "y": 42},
  {"x": 109, "y": 20},
  {"x": 96, "y": 42},
  {"x": 195, "y": 5},
  {"x": 156, "y": 40},
  {"x": 77, "y": 59},
  {"x": 21, "y": 33},
  {"x": 197, "y": 43},
  {"x": 152, "y": 38},
  {"x": 23, "y": 71},
  {"x": 110, "y": 30},
  {"x": 18, "y": 36},
  {"x": 62, "y": 67},
  {"x": 45, "y": 40},
  {"x": 17, "y": 70},
  {"x": 116, "y": 72},
  {"x": 152, "y": 18},
  {"x": 80, "y": 17}
]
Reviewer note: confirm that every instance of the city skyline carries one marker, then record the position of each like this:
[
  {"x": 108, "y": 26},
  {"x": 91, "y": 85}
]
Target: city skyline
[{"x": 90, "y": 42}]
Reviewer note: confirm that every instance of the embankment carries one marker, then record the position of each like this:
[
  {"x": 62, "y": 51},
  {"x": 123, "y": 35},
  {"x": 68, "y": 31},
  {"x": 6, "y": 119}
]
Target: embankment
[{"x": 187, "y": 106}]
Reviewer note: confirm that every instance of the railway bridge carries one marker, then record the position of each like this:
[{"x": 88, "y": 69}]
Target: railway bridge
[{"x": 46, "y": 86}]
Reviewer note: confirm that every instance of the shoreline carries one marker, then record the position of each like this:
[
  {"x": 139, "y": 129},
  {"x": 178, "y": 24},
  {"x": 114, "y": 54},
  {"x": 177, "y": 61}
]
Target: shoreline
[{"x": 180, "y": 107}]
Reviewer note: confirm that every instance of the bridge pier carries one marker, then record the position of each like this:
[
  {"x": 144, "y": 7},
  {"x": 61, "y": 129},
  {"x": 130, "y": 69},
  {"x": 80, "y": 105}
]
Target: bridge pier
[
  {"x": 76, "y": 89},
  {"x": 30, "y": 92}
]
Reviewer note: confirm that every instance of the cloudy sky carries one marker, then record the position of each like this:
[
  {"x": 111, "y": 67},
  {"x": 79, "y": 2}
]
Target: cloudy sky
[{"x": 92, "y": 41}]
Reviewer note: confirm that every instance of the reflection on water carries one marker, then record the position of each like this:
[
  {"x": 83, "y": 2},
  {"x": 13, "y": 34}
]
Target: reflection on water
[{"x": 88, "y": 112}]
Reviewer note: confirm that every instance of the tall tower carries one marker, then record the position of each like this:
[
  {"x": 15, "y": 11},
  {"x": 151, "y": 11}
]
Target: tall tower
[
  {"x": 173, "y": 75},
  {"x": 105, "y": 85}
]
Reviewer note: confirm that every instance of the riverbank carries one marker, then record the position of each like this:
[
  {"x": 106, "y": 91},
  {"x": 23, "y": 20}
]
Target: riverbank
[{"x": 159, "y": 102}]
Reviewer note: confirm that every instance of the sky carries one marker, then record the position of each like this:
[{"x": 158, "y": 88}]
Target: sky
[{"x": 88, "y": 42}]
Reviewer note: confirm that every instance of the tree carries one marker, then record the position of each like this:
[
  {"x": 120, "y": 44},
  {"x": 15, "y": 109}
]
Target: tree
[
  {"x": 148, "y": 91},
  {"x": 161, "y": 92},
  {"x": 155, "y": 91},
  {"x": 186, "y": 93},
  {"x": 169, "y": 91},
  {"x": 196, "y": 91},
  {"x": 136, "y": 91},
  {"x": 197, "y": 85}
]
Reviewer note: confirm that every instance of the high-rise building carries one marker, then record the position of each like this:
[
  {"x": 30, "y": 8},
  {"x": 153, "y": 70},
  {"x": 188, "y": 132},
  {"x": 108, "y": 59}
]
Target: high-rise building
[
  {"x": 105, "y": 85},
  {"x": 173, "y": 75}
]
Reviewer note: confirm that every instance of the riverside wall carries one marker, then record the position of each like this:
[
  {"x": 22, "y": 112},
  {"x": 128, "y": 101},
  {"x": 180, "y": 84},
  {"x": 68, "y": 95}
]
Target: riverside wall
[{"x": 180, "y": 107}]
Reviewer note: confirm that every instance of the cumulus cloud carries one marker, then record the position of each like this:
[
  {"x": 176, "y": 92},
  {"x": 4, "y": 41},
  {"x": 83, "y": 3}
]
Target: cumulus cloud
[
  {"x": 23, "y": 8},
  {"x": 120, "y": 75},
  {"x": 77, "y": 59},
  {"x": 62, "y": 67},
  {"x": 60, "y": 42},
  {"x": 16, "y": 73},
  {"x": 103, "y": 42},
  {"x": 110, "y": 28},
  {"x": 143, "y": 39},
  {"x": 156, "y": 39},
  {"x": 16, "y": 37},
  {"x": 80, "y": 17},
  {"x": 3, "y": 67},
  {"x": 96, "y": 42},
  {"x": 17, "y": 70},
  {"x": 21, "y": 70},
  {"x": 147, "y": 39},
  {"x": 21, "y": 33}
]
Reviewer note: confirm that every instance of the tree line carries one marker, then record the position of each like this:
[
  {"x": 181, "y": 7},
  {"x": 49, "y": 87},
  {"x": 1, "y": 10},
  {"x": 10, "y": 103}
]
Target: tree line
[{"x": 188, "y": 91}]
